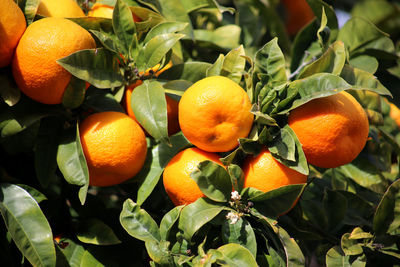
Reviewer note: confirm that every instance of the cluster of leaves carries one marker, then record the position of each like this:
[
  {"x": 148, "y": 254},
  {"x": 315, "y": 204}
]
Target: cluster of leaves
[{"x": 347, "y": 215}]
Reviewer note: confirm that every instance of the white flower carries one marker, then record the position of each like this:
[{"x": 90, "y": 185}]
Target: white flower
[
  {"x": 235, "y": 195},
  {"x": 233, "y": 217}
]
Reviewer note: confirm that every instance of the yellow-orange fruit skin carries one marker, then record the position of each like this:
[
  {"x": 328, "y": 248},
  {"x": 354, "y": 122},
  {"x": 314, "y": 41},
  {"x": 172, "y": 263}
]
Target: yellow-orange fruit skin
[
  {"x": 34, "y": 65},
  {"x": 12, "y": 26},
  {"x": 332, "y": 130},
  {"x": 115, "y": 147},
  {"x": 60, "y": 9},
  {"x": 395, "y": 113},
  {"x": 106, "y": 11},
  {"x": 178, "y": 184},
  {"x": 265, "y": 173},
  {"x": 214, "y": 113}
]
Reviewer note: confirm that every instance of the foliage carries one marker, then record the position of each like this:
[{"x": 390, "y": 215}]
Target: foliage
[{"x": 345, "y": 216}]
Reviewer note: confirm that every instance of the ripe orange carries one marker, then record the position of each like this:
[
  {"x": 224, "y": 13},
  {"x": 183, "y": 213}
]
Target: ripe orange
[
  {"x": 265, "y": 173},
  {"x": 34, "y": 65},
  {"x": 214, "y": 113},
  {"x": 12, "y": 26},
  {"x": 114, "y": 146},
  {"x": 60, "y": 9},
  {"x": 105, "y": 11},
  {"x": 178, "y": 184},
  {"x": 395, "y": 113},
  {"x": 332, "y": 130},
  {"x": 298, "y": 14}
]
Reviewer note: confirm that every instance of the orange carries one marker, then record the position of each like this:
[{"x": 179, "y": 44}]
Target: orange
[
  {"x": 265, "y": 173},
  {"x": 178, "y": 184},
  {"x": 106, "y": 11},
  {"x": 298, "y": 14},
  {"x": 332, "y": 130},
  {"x": 34, "y": 64},
  {"x": 60, "y": 9},
  {"x": 12, "y": 26},
  {"x": 214, "y": 113},
  {"x": 114, "y": 146},
  {"x": 395, "y": 113}
]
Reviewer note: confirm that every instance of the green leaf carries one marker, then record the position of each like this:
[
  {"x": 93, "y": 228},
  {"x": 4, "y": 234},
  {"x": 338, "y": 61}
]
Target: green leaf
[
  {"x": 350, "y": 246},
  {"x": 150, "y": 108},
  {"x": 165, "y": 28},
  {"x": 270, "y": 60},
  {"x": 320, "y": 6},
  {"x": 124, "y": 26},
  {"x": 240, "y": 233},
  {"x": 286, "y": 149},
  {"x": 213, "y": 180},
  {"x": 168, "y": 221},
  {"x": 225, "y": 37},
  {"x": 27, "y": 225},
  {"x": 275, "y": 202},
  {"x": 387, "y": 215},
  {"x": 138, "y": 223},
  {"x": 189, "y": 71},
  {"x": 109, "y": 41},
  {"x": 332, "y": 61},
  {"x": 177, "y": 87},
  {"x": 336, "y": 258},
  {"x": 29, "y": 7},
  {"x": 101, "y": 100},
  {"x": 22, "y": 115},
  {"x": 97, "y": 66},
  {"x": 196, "y": 215},
  {"x": 237, "y": 177},
  {"x": 365, "y": 62},
  {"x": 235, "y": 255},
  {"x": 358, "y": 233},
  {"x": 46, "y": 150},
  {"x": 158, "y": 252},
  {"x": 322, "y": 35},
  {"x": 174, "y": 10},
  {"x": 374, "y": 11},
  {"x": 155, "y": 49},
  {"x": 294, "y": 255},
  {"x": 216, "y": 68},
  {"x": 335, "y": 207},
  {"x": 74, "y": 94},
  {"x": 89, "y": 260},
  {"x": 362, "y": 172},
  {"x": 36, "y": 194},
  {"x": 72, "y": 162},
  {"x": 316, "y": 86},
  {"x": 303, "y": 40},
  {"x": 358, "y": 32},
  {"x": 234, "y": 63},
  {"x": 363, "y": 80},
  {"x": 154, "y": 165},
  {"x": 94, "y": 231}
]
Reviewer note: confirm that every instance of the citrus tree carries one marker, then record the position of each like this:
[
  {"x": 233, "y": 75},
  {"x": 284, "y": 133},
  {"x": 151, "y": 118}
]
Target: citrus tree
[{"x": 199, "y": 133}]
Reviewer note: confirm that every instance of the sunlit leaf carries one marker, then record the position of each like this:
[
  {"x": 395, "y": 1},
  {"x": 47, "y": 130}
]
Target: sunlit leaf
[
  {"x": 138, "y": 223},
  {"x": 27, "y": 225}
]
